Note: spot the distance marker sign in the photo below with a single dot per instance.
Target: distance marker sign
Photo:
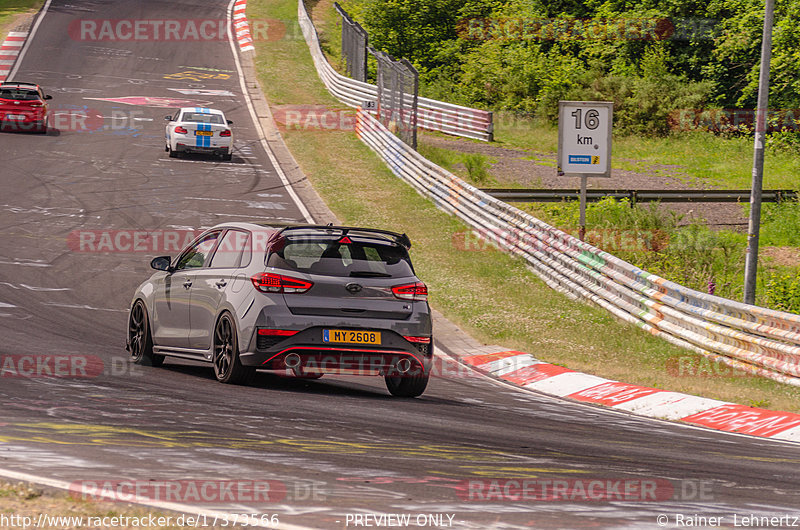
(584, 138)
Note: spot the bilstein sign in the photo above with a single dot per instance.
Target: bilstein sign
(584, 138)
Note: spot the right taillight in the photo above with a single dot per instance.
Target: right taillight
(416, 291)
(277, 283)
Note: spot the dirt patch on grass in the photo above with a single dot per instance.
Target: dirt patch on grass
(781, 256)
(533, 169)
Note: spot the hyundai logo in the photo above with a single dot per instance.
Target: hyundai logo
(353, 288)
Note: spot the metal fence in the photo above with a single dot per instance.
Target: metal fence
(354, 46)
(753, 339)
(398, 84)
(634, 196)
(435, 115)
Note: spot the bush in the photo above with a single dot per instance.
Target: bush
(783, 292)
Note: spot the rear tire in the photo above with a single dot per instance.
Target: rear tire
(406, 386)
(173, 154)
(228, 367)
(139, 339)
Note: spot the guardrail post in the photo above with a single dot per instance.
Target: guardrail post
(490, 129)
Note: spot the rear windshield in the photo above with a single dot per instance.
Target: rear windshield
(359, 259)
(19, 94)
(199, 117)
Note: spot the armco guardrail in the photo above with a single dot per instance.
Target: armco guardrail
(634, 196)
(754, 339)
(434, 115)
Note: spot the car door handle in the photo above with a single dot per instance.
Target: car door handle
(187, 284)
(222, 283)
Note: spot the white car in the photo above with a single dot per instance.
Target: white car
(199, 130)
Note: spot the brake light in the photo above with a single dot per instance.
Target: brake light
(226, 133)
(181, 130)
(277, 332)
(277, 283)
(418, 340)
(417, 291)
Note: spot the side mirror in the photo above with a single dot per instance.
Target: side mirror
(48, 97)
(168, 118)
(230, 122)
(161, 263)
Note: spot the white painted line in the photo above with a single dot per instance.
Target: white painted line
(8, 52)
(18, 34)
(31, 34)
(567, 383)
(13, 43)
(257, 123)
(669, 405)
(792, 435)
(162, 505)
(6, 63)
(508, 364)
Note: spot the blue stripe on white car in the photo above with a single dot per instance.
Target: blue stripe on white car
(202, 140)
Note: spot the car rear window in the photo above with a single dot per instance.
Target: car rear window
(199, 117)
(363, 259)
(19, 94)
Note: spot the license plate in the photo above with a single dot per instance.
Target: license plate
(351, 337)
(15, 116)
(204, 133)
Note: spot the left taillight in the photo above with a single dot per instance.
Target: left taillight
(277, 283)
(226, 133)
(416, 291)
(181, 130)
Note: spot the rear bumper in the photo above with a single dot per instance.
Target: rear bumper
(307, 352)
(29, 122)
(219, 150)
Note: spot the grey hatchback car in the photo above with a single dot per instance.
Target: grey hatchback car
(305, 300)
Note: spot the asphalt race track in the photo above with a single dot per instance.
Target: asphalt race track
(328, 449)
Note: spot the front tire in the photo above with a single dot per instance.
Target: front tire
(407, 386)
(140, 341)
(228, 367)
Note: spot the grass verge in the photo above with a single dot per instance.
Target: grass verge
(697, 157)
(491, 295)
(13, 11)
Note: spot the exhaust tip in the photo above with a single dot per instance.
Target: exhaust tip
(403, 366)
(292, 360)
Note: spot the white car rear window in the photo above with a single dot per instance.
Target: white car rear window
(199, 117)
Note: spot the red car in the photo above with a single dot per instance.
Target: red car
(23, 107)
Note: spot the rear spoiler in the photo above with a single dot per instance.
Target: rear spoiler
(400, 239)
(15, 83)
